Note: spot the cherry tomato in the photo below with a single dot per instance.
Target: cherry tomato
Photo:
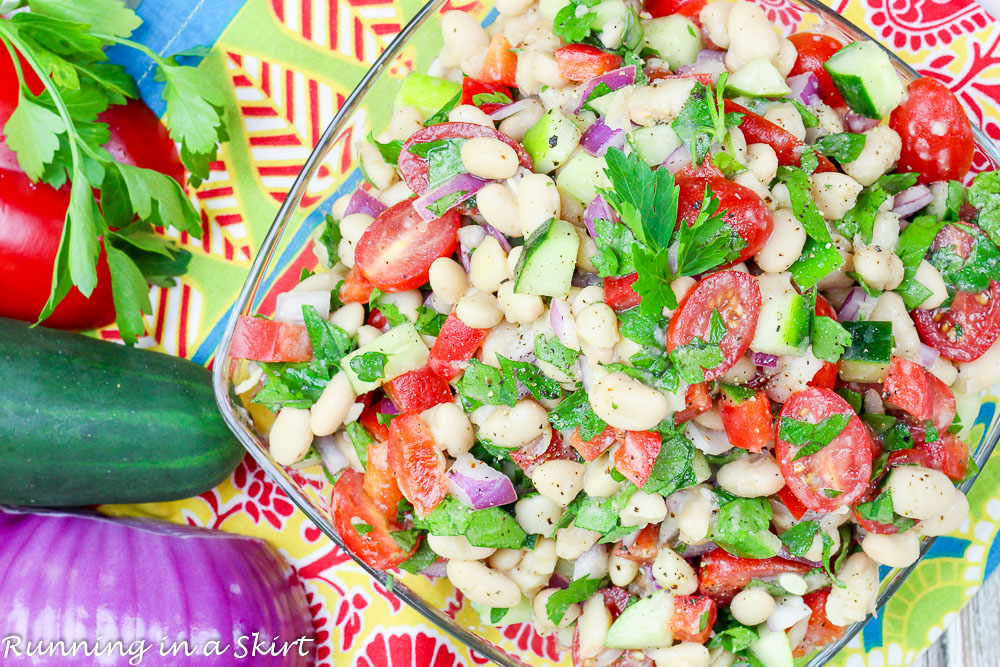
(414, 168)
(418, 390)
(380, 482)
(579, 62)
(645, 546)
(591, 449)
(745, 211)
(948, 454)
(655, 73)
(789, 500)
(936, 133)
(759, 130)
(378, 320)
(455, 345)
(688, 8)
(472, 87)
(747, 424)
(351, 506)
(417, 463)
(618, 292)
(911, 388)
(530, 456)
(841, 468)
(500, 63)
(396, 252)
(693, 618)
(267, 340)
(356, 288)
(813, 50)
(736, 296)
(826, 376)
(637, 454)
(964, 330)
(696, 402)
(369, 419)
(820, 631)
(616, 599)
(722, 575)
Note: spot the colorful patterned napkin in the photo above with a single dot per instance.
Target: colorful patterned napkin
(286, 65)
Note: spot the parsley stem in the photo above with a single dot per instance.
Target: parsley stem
(160, 60)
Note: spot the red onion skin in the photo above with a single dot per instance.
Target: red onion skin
(467, 182)
(911, 200)
(856, 123)
(614, 79)
(598, 138)
(495, 233)
(175, 582)
(805, 88)
(362, 202)
(598, 208)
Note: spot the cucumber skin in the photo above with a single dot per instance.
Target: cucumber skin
(85, 422)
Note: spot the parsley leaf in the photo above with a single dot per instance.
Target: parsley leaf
(843, 147)
(812, 437)
(490, 98)
(362, 528)
(975, 272)
(984, 194)
(429, 321)
(799, 538)
(575, 411)
(742, 528)
(698, 355)
(388, 150)
(444, 159)
(330, 343)
(614, 248)
(638, 192)
(296, 385)
(829, 338)
(33, 133)
(803, 206)
(914, 242)
(441, 115)
(531, 376)
(361, 440)
(703, 119)
(369, 366)
(573, 21)
(881, 510)
(550, 350)
(577, 591)
(672, 469)
(491, 527)
(421, 559)
(482, 384)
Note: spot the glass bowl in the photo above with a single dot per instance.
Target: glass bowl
(287, 249)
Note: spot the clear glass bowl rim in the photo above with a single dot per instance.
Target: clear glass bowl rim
(242, 305)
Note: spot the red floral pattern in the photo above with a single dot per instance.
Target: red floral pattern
(407, 649)
(924, 25)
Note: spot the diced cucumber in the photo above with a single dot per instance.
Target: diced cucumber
(758, 78)
(547, 262)
(617, 24)
(551, 141)
(581, 176)
(645, 624)
(549, 8)
(426, 93)
(871, 342)
(520, 613)
(866, 79)
(772, 648)
(655, 143)
(862, 371)
(675, 38)
(783, 326)
(404, 349)
(700, 466)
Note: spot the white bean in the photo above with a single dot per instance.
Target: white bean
(695, 516)
(751, 35)
(752, 606)
(479, 310)
(349, 317)
(378, 171)
(856, 599)
(498, 206)
(661, 101)
(787, 117)
(918, 492)
(547, 71)
(517, 125)
(981, 373)
(457, 548)
(559, 480)
(290, 436)
(542, 622)
(593, 627)
(643, 508)
(622, 570)
(488, 266)
(597, 325)
(519, 308)
(537, 201)
(947, 520)
(597, 480)
(626, 403)
(751, 476)
(834, 193)
(741, 372)
(715, 22)
(786, 57)
(784, 245)
(684, 654)
(890, 308)
(897, 550)
(405, 121)
(448, 280)
(573, 541)
(537, 514)
(467, 113)
(710, 419)
(881, 151)
(339, 208)
(451, 428)
(930, 277)
(395, 193)
(489, 158)
(483, 585)
(406, 302)
(505, 560)
(330, 410)
(674, 573)
(587, 296)
(516, 426)
(352, 228)
(511, 8)
(885, 230)
(762, 161)
(462, 35)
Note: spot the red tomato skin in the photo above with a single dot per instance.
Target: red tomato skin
(948, 454)
(416, 462)
(748, 424)
(722, 575)
(414, 168)
(472, 87)
(618, 292)
(656, 73)
(820, 631)
(500, 63)
(455, 345)
(267, 340)
(696, 402)
(530, 456)
(920, 393)
(380, 482)
(356, 288)
(936, 133)
(396, 252)
(793, 504)
(979, 322)
(813, 50)
(637, 454)
(369, 420)
(788, 148)
(688, 8)
(852, 448)
(745, 211)
(736, 296)
(616, 599)
(418, 390)
(591, 449)
(644, 548)
(376, 547)
(579, 62)
(686, 622)
(140, 139)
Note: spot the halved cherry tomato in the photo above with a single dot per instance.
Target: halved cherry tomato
(964, 330)
(418, 465)
(759, 130)
(841, 469)
(948, 453)
(380, 482)
(418, 390)
(267, 340)
(748, 425)
(826, 376)
(813, 50)
(820, 631)
(472, 87)
(920, 393)
(535, 453)
(693, 618)
(455, 345)
(396, 252)
(616, 599)
(746, 212)
(356, 288)
(655, 73)
(591, 449)
(736, 296)
(688, 8)
(645, 546)
(378, 320)
(369, 419)
(500, 63)
(350, 505)
(722, 575)
(579, 62)
(789, 500)
(696, 402)
(936, 133)
(618, 292)
(414, 168)
(635, 457)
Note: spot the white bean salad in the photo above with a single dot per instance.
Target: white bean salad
(649, 325)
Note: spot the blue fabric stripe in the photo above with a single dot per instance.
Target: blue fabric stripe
(169, 27)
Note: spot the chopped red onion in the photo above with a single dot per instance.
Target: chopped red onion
(790, 611)
(463, 182)
(508, 110)
(592, 563)
(557, 581)
(698, 550)
(362, 202)
(469, 237)
(598, 138)
(585, 279)
(708, 61)
(764, 360)
(479, 486)
(563, 324)
(598, 208)
(856, 123)
(333, 459)
(805, 88)
(498, 235)
(911, 200)
(387, 407)
(710, 441)
(680, 158)
(436, 570)
(787, 555)
(630, 539)
(614, 80)
(288, 305)
(856, 299)
(928, 355)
